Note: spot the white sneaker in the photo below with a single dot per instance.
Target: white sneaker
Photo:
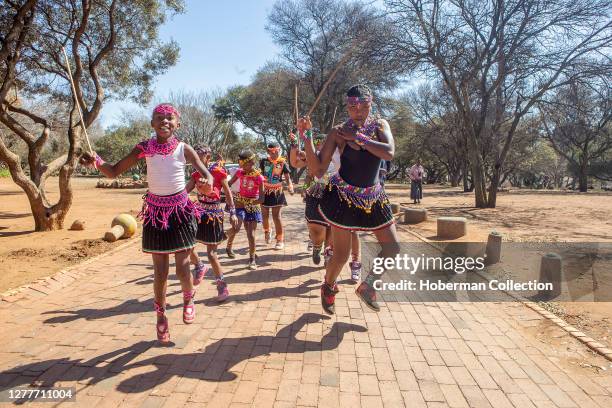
(279, 245)
(252, 264)
(327, 254)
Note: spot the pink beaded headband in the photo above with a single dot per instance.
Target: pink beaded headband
(167, 109)
(354, 100)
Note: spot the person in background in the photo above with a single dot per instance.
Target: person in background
(416, 173)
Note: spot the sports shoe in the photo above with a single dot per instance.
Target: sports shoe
(200, 272)
(230, 253)
(316, 255)
(327, 254)
(367, 294)
(222, 292)
(355, 270)
(268, 236)
(188, 307)
(252, 263)
(279, 245)
(328, 297)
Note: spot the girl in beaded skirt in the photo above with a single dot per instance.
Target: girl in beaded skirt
(169, 216)
(354, 199)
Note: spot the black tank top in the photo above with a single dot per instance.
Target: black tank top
(359, 167)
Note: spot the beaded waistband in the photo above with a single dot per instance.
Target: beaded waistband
(273, 187)
(156, 210)
(361, 197)
(249, 204)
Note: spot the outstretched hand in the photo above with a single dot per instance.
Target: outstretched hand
(88, 159)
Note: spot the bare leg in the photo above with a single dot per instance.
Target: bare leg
(342, 247)
(182, 270)
(355, 246)
(213, 259)
(193, 257)
(317, 236)
(387, 238)
(231, 234)
(161, 265)
(250, 227)
(278, 224)
(184, 275)
(265, 212)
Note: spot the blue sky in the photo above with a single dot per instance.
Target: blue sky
(223, 43)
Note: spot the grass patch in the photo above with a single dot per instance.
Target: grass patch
(5, 173)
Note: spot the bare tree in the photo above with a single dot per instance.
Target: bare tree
(316, 35)
(200, 124)
(498, 58)
(115, 53)
(577, 121)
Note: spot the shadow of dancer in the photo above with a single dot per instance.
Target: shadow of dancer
(213, 364)
(216, 361)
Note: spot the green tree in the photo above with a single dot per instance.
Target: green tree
(115, 52)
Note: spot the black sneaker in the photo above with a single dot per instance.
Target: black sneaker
(316, 255)
(230, 253)
(328, 297)
(367, 294)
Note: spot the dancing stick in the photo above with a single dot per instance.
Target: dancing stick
(334, 116)
(295, 104)
(332, 75)
(76, 100)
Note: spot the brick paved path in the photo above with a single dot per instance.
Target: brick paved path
(271, 345)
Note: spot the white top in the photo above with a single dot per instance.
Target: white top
(334, 166)
(335, 160)
(166, 174)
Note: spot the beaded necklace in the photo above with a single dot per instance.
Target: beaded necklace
(151, 147)
(368, 128)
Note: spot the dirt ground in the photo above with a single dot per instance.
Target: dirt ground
(528, 216)
(26, 256)
(523, 216)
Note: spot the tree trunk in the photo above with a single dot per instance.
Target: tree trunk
(583, 182)
(455, 178)
(492, 199)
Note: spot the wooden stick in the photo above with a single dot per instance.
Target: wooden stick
(76, 100)
(332, 75)
(334, 116)
(295, 104)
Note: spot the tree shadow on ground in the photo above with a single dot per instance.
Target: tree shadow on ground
(214, 363)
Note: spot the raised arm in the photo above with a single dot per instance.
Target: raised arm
(317, 163)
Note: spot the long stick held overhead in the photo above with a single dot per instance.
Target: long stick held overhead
(76, 100)
(345, 58)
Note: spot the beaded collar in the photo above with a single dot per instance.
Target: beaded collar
(151, 147)
(368, 129)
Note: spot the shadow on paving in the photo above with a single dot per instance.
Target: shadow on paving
(214, 363)
(140, 306)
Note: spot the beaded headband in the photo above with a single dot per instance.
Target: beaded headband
(354, 100)
(203, 150)
(248, 159)
(167, 109)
